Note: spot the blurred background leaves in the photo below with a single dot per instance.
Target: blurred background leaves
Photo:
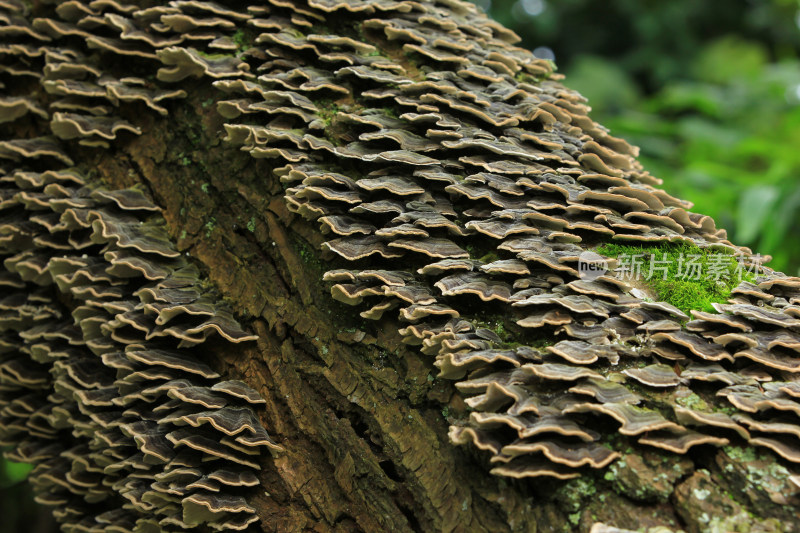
(709, 90)
(18, 512)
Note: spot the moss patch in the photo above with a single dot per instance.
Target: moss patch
(684, 275)
(327, 110)
(692, 401)
(241, 39)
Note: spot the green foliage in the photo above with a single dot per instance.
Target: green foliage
(17, 508)
(673, 280)
(710, 94)
(240, 38)
(651, 41)
(12, 473)
(727, 141)
(210, 225)
(327, 110)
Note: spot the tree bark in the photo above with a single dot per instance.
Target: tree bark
(359, 413)
(361, 416)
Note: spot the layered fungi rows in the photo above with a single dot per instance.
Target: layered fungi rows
(458, 183)
(104, 385)
(455, 175)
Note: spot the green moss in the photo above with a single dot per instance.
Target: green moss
(613, 471)
(210, 225)
(306, 254)
(725, 409)
(309, 256)
(575, 492)
(482, 251)
(240, 38)
(489, 257)
(204, 187)
(193, 135)
(778, 472)
(251, 225)
(357, 29)
(682, 274)
(693, 401)
(760, 470)
(744, 455)
(206, 55)
(327, 110)
(414, 58)
(496, 324)
(541, 344)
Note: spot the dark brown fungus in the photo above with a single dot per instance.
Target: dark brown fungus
(634, 420)
(788, 449)
(657, 375)
(470, 172)
(107, 394)
(572, 455)
(700, 418)
(680, 442)
(526, 468)
(606, 391)
(182, 62)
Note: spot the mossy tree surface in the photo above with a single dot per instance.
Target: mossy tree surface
(361, 416)
(683, 275)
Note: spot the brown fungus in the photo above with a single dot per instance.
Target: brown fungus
(94, 376)
(467, 169)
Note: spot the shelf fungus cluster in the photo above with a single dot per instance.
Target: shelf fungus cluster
(104, 325)
(456, 179)
(457, 182)
(102, 381)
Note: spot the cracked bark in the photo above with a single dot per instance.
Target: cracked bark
(361, 416)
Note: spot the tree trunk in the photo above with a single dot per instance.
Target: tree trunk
(360, 414)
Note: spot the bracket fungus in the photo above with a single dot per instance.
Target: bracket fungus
(104, 387)
(453, 177)
(107, 380)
